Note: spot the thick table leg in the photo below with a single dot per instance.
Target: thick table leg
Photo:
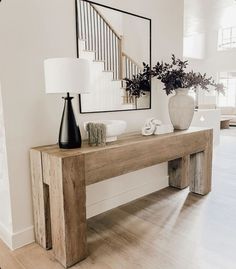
(179, 172)
(200, 173)
(201, 168)
(40, 191)
(68, 211)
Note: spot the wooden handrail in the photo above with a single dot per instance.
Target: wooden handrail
(105, 41)
(132, 60)
(132, 68)
(105, 20)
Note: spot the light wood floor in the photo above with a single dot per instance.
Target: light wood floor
(169, 229)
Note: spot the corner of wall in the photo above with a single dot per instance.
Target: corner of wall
(18, 239)
(5, 235)
(22, 238)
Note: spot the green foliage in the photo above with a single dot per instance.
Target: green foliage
(140, 83)
(173, 76)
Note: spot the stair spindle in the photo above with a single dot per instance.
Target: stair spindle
(104, 48)
(98, 41)
(86, 24)
(100, 37)
(126, 68)
(110, 47)
(93, 31)
(115, 57)
(90, 29)
(78, 5)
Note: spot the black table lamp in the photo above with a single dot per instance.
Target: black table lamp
(65, 75)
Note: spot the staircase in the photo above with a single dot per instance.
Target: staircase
(107, 92)
(99, 43)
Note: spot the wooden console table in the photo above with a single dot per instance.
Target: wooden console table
(59, 178)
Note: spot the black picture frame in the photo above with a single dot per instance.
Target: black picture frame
(150, 52)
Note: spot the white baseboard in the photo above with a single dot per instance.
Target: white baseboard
(6, 235)
(23, 237)
(102, 197)
(18, 239)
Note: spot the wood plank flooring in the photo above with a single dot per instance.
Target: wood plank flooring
(169, 229)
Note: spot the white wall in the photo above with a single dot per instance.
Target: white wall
(136, 43)
(194, 46)
(218, 61)
(209, 118)
(32, 30)
(213, 62)
(113, 17)
(5, 205)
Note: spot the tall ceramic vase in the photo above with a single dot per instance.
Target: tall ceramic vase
(181, 109)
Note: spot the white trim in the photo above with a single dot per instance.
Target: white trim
(23, 237)
(26, 236)
(18, 239)
(5, 235)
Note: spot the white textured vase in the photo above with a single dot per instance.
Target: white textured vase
(181, 109)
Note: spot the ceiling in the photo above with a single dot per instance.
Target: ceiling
(202, 15)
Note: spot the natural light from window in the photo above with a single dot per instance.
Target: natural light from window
(229, 81)
(227, 38)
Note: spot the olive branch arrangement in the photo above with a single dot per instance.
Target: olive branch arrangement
(173, 75)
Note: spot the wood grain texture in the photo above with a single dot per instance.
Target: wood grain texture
(225, 123)
(7, 260)
(40, 194)
(129, 139)
(131, 156)
(168, 229)
(201, 169)
(67, 172)
(179, 172)
(68, 213)
(133, 152)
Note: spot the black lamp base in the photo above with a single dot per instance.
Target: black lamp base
(69, 135)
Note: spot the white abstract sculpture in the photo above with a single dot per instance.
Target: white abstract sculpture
(150, 126)
(155, 126)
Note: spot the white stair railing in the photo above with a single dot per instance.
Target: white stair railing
(101, 38)
(131, 68)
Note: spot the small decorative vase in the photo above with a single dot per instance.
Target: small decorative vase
(181, 109)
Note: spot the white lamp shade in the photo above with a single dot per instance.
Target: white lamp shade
(67, 75)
